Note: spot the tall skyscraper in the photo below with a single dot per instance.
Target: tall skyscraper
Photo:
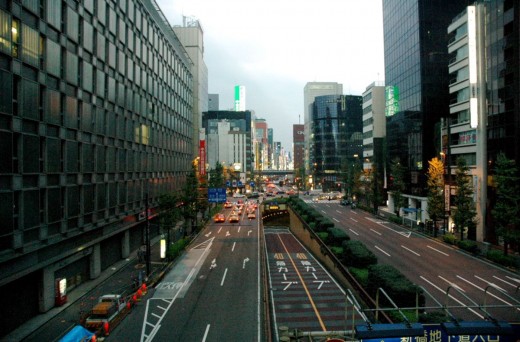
(94, 123)
(338, 139)
(213, 102)
(240, 98)
(191, 36)
(416, 66)
(298, 146)
(310, 91)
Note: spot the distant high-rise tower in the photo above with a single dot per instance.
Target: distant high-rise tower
(240, 98)
(213, 102)
(311, 90)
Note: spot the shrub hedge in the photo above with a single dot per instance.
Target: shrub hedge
(336, 237)
(401, 290)
(356, 254)
(499, 257)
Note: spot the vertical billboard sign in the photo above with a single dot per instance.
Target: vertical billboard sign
(202, 157)
(391, 100)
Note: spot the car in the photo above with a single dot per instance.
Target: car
(238, 195)
(228, 205)
(344, 202)
(219, 218)
(233, 217)
(251, 215)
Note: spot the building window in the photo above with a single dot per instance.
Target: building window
(31, 45)
(5, 32)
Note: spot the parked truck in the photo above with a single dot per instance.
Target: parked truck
(106, 310)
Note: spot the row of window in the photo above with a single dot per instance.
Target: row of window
(37, 208)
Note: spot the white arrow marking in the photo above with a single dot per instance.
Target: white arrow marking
(227, 233)
(244, 263)
(249, 232)
(207, 235)
(213, 264)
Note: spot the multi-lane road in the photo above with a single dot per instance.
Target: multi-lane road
(473, 288)
(217, 290)
(211, 294)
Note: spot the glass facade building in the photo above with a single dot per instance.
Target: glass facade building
(337, 137)
(95, 113)
(416, 65)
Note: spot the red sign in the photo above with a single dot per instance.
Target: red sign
(202, 157)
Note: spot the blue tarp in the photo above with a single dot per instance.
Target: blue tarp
(77, 334)
(410, 210)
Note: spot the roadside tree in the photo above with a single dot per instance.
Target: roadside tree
(398, 186)
(465, 213)
(506, 211)
(435, 184)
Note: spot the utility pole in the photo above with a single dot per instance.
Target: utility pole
(148, 254)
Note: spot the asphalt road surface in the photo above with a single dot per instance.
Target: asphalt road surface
(472, 288)
(211, 294)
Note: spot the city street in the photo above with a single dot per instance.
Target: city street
(476, 287)
(211, 294)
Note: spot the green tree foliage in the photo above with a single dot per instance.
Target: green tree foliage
(216, 176)
(170, 212)
(398, 186)
(465, 213)
(190, 195)
(506, 211)
(435, 184)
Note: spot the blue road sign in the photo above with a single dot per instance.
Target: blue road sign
(252, 184)
(216, 195)
(228, 183)
(239, 183)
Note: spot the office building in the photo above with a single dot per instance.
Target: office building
(416, 69)
(240, 125)
(240, 98)
(310, 91)
(338, 139)
(298, 146)
(95, 117)
(191, 36)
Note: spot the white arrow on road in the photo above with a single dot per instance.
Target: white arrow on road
(213, 264)
(244, 263)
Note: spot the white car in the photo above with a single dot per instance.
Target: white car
(238, 195)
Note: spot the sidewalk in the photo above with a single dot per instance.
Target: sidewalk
(119, 278)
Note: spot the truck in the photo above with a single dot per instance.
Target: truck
(107, 309)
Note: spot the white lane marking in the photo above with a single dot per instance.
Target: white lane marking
(438, 251)
(218, 232)
(506, 282)
(405, 234)
(353, 231)
(452, 284)
(335, 219)
(353, 219)
(339, 212)
(223, 278)
(352, 211)
(206, 333)
(382, 251)
(513, 279)
(233, 248)
(323, 211)
(481, 289)
(375, 231)
(490, 283)
(455, 299)
(409, 250)
(239, 228)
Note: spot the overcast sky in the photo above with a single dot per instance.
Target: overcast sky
(274, 47)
